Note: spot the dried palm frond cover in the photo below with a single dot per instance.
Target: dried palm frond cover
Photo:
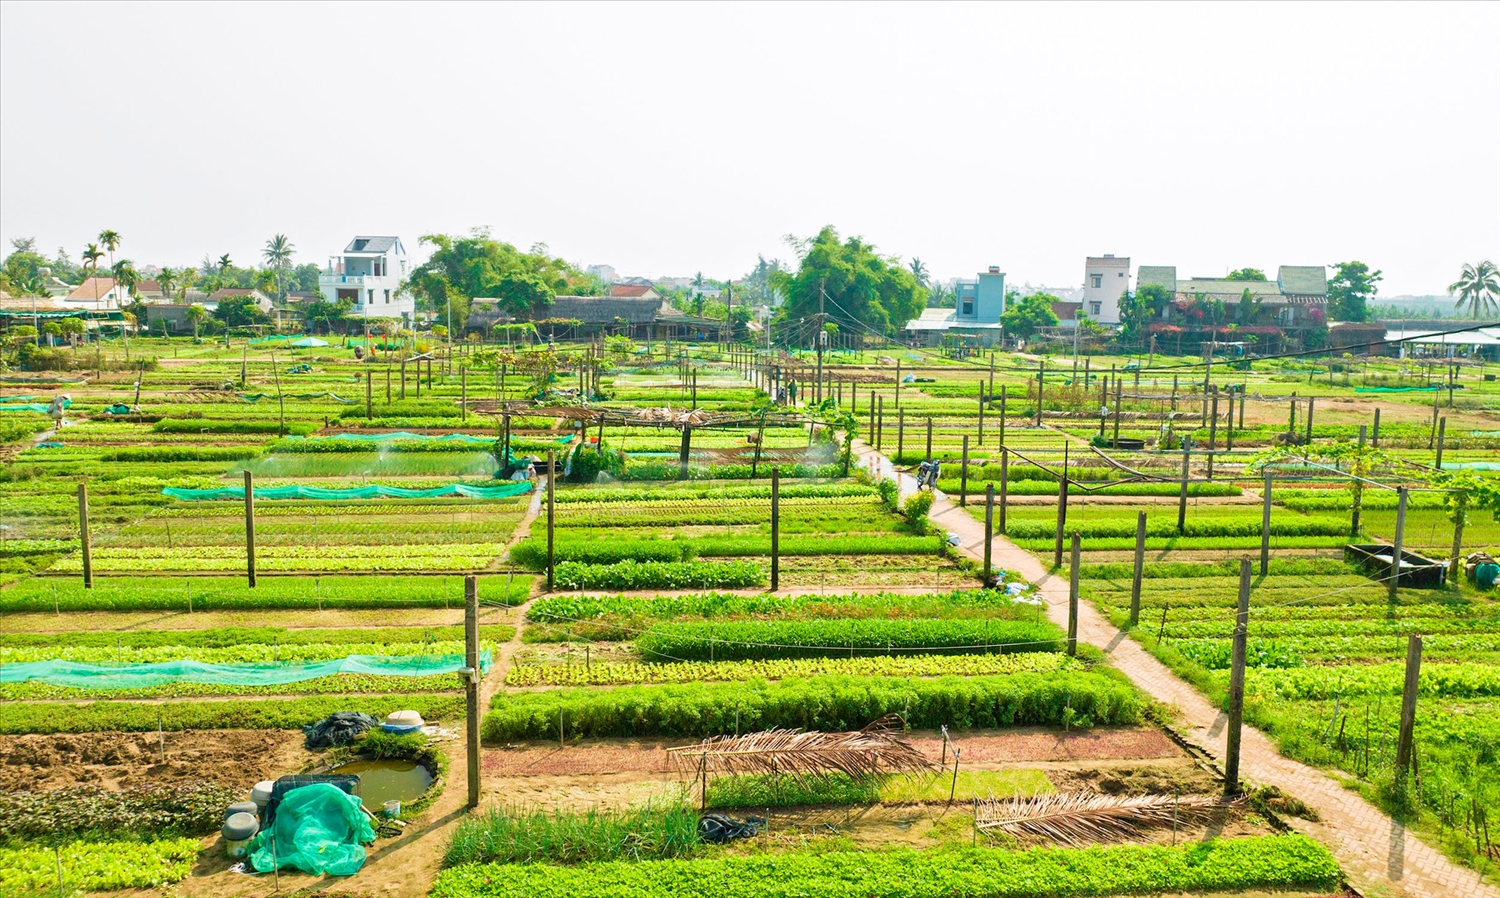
(1085, 817)
(876, 750)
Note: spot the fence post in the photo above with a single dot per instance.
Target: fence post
(83, 536)
(880, 423)
(684, 450)
(1237, 686)
(1140, 563)
(1004, 484)
(1408, 706)
(463, 392)
(1213, 421)
(1396, 549)
(1041, 381)
(1182, 494)
(551, 510)
(1358, 488)
(1062, 519)
(775, 529)
(981, 412)
(1441, 435)
(1375, 432)
(900, 433)
(250, 527)
(1309, 420)
(1229, 423)
(1265, 524)
(1002, 419)
(1073, 599)
(403, 378)
(898, 383)
(929, 438)
(963, 476)
(471, 684)
(989, 529)
(1118, 397)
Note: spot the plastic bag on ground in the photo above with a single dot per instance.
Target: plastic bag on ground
(338, 728)
(318, 829)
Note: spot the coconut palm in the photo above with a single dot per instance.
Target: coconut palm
(168, 282)
(1478, 287)
(278, 254)
(91, 256)
(125, 276)
(225, 263)
(919, 271)
(196, 314)
(110, 240)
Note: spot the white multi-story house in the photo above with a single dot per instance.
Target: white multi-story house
(1105, 278)
(369, 272)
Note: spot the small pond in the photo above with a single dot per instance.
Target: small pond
(382, 781)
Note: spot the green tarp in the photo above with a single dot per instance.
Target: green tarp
(319, 829)
(81, 675)
(17, 398)
(28, 407)
(504, 491)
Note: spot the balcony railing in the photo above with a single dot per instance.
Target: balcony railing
(351, 279)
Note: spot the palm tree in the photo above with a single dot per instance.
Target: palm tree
(225, 263)
(110, 241)
(278, 254)
(91, 256)
(168, 282)
(1479, 288)
(196, 314)
(125, 276)
(919, 271)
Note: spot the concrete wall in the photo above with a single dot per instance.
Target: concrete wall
(1102, 302)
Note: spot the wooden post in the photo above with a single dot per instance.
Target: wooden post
(83, 536)
(1140, 564)
(1229, 424)
(1002, 419)
(1441, 435)
(1118, 397)
(1358, 488)
(880, 424)
(250, 527)
(1073, 599)
(981, 413)
(1265, 524)
(963, 475)
(900, 433)
(1309, 419)
(369, 389)
(1396, 549)
(1004, 484)
(463, 393)
(1213, 422)
(1041, 381)
(1182, 494)
(551, 513)
(403, 378)
(898, 383)
(989, 529)
(387, 383)
(775, 529)
(471, 683)
(929, 438)
(1062, 519)
(1408, 706)
(1375, 432)
(1237, 686)
(683, 451)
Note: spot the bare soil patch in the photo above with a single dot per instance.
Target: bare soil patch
(126, 760)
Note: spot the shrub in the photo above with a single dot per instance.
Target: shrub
(916, 508)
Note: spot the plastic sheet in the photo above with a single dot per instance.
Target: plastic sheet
(318, 829)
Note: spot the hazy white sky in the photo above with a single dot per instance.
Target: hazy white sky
(667, 139)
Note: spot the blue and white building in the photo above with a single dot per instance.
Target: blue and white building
(369, 273)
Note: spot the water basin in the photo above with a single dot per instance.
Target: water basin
(382, 781)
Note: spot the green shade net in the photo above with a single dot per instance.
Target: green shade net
(319, 829)
(83, 675)
(16, 398)
(404, 437)
(503, 491)
(256, 397)
(1396, 389)
(28, 407)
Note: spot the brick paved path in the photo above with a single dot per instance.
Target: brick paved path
(1380, 858)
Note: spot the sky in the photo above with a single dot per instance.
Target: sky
(675, 138)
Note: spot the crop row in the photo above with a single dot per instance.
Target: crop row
(409, 557)
(1228, 865)
(1195, 526)
(633, 575)
(247, 653)
(338, 684)
(1082, 698)
(96, 866)
(960, 603)
(227, 593)
(532, 553)
(762, 640)
(630, 674)
(710, 495)
(278, 714)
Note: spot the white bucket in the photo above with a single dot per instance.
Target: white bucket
(393, 808)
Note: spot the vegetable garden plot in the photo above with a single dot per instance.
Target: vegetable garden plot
(635, 673)
(220, 593)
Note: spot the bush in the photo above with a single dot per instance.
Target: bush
(1229, 865)
(758, 640)
(631, 575)
(589, 462)
(916, 508)
(817, 703)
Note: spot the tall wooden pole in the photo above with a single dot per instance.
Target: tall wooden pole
(250, 527)
(1062, 519)
(1375, 431)
(1237, 685)
(551, 512)
(1182, 494)
(1073, 598)
(775, 529)
(1358, 488)
(1396, 549)
(989, 530)
(1140, 564)
(1265, 524)
(1002, 419)
(929, 439)
(1004, 484)
(1118, 397)
(83, 536)
(963, 476)
(1441, 436)
(471, 683)
(1408, 706)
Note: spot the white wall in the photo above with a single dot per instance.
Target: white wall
(1114, 278)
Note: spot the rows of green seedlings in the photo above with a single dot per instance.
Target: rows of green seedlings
(1271, 862)
(188, 594)
(1325, 679)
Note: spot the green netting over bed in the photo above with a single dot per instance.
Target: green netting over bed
(81, 675)
(503, 491)
(405, 436)
(256, 397)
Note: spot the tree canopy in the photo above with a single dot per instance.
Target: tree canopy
(1246, 274)
(462, 268)
(1478, 287)
(1350, 288)
(1139, 309)
(863, 291)
(1028, 314)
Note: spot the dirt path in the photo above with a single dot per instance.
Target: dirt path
(1378, 855)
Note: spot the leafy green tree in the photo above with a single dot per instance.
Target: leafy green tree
(1029, 314)
(1139, 309)
(196, 313)
(1478, 287)
(1246, 274)
(865, 290)
(22, 266)
(239, 311)
(278, 254)
(73, 328)
(1350, 289)
(462, 268)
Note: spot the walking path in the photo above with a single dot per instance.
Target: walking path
(1381, 859)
